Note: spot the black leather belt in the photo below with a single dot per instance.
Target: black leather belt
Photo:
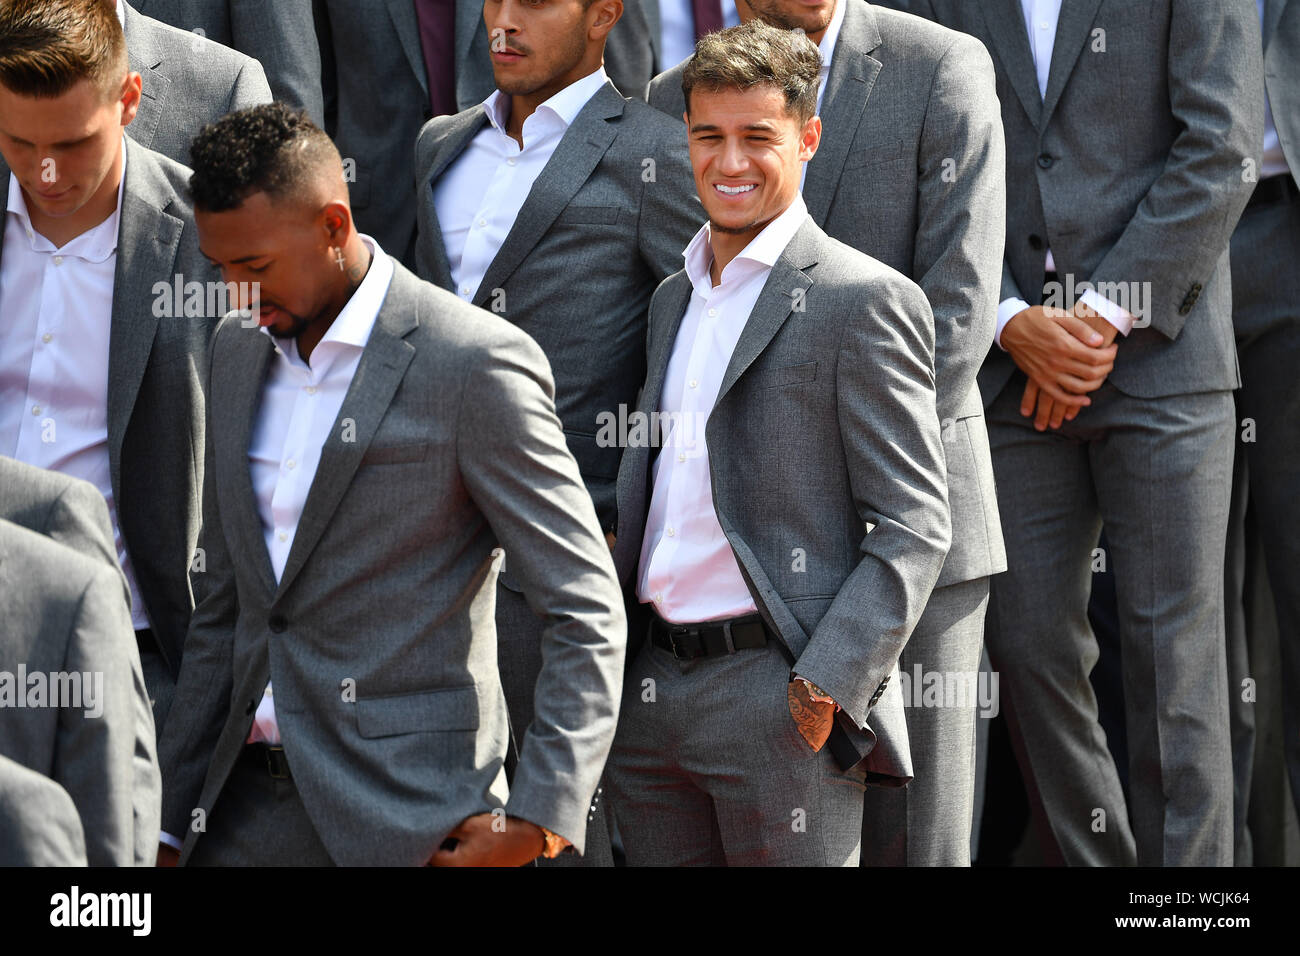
(268, 757)
(1275, 189)
(708, 639)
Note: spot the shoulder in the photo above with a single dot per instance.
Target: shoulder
(159, 179)
(857, 276)
(180, 51)
(34, 563)
(919, 41)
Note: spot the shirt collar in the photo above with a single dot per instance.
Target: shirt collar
(121, 14)
(356, 320)
(827, 47)
(565, 104)
(94, 245)
(762, 252)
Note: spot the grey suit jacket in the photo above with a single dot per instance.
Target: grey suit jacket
(39, 825)
(279, 34)
(156, 362)
(188, 82)
(838, 397)
(910, 170)
(69, 510)
(61, 613)
(589, 214)
(380, 636)
(1131, 169)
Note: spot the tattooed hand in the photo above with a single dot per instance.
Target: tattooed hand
(813, 718)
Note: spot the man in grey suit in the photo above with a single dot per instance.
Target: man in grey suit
(559, 205)
(371, 449)
(279, 34)
(1266, 316)
(186, 83)
(102, 364)
(910, 170)
(39, 825)
(782, 544)
(68, 651)
(1129, 129)
(391, 65)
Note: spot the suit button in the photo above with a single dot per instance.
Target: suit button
(1045, 160)
(1184, 309)
(1035, 242)
(277, 624)
(252, 706)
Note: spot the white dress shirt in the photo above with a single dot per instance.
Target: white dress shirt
(688, 570)
(1041, 17)
(57, 308)
(677, 29)
(481, 193)
(299, 405)
(1273, 162)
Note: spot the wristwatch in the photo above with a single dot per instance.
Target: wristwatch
(555, 844)
(815, 693)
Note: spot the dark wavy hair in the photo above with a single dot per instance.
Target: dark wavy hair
(757, 54)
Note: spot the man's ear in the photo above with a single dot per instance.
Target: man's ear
(607, 13)
(336, 219)
(130, 97)
(810, 138)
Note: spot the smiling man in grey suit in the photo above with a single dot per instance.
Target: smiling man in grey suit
(781, 546)
(279, 34)
(100, 373)
(65, 633)
(911, 170)
(371, 449)
(186, 83)
(559, 205)
(1130, 128)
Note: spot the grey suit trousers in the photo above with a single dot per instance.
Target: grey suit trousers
(1266, 315)
(709, 769)
(928, 822)
(519, 657)
(258, 821)
(1158, 473)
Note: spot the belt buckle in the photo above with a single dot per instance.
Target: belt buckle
(272, 764)
(726, 636)
(675, 631)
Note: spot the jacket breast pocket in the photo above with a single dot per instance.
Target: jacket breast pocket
(593, 215)
(448, 708)
(396, 454)
(786, 375)
(886, 154)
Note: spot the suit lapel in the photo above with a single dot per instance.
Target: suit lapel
(1071, 35)
(244, 378)
(461, 129)
(383, 363)
(573, 161)
(144, 59)
(469, 18)
(148, 239)
(407, 23)
(650, 11)
(774, 305)
(1006, 25)
(848, 85)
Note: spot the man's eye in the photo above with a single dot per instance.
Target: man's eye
(259, 268)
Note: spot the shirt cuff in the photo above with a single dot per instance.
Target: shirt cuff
(1006, 309)
(1116, 315)
(170, 840)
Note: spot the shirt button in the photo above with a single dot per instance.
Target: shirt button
(311, 389)
(681, 456)
(672, 533)
(46, 337)
(58, 260)
(482, 223)
(1042, 25)
(511, 162)
(282, 535)
(659, 598)
(464, 290)
(36, 409)
(290, 464)
(695, 383)
(713, 312)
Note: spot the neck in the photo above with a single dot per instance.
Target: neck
(523, 105)
(358, 259)
(61, 230)
(727, 245)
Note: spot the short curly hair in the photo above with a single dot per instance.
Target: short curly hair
(270, 148)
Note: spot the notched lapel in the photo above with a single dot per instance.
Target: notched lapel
(462, 128)
(1072, 31)
(383, 363)
(407, 25)
(1006, 25)
(848, 87)
(572, 163)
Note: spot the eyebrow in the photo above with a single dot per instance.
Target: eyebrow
(235, 262)
(758, 127)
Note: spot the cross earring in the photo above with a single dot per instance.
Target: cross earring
(339, 258)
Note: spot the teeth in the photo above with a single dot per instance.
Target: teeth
(733, 190)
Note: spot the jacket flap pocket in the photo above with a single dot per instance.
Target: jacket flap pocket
(449, 708)
(378, 454)
(786, 375)
(596, 214)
